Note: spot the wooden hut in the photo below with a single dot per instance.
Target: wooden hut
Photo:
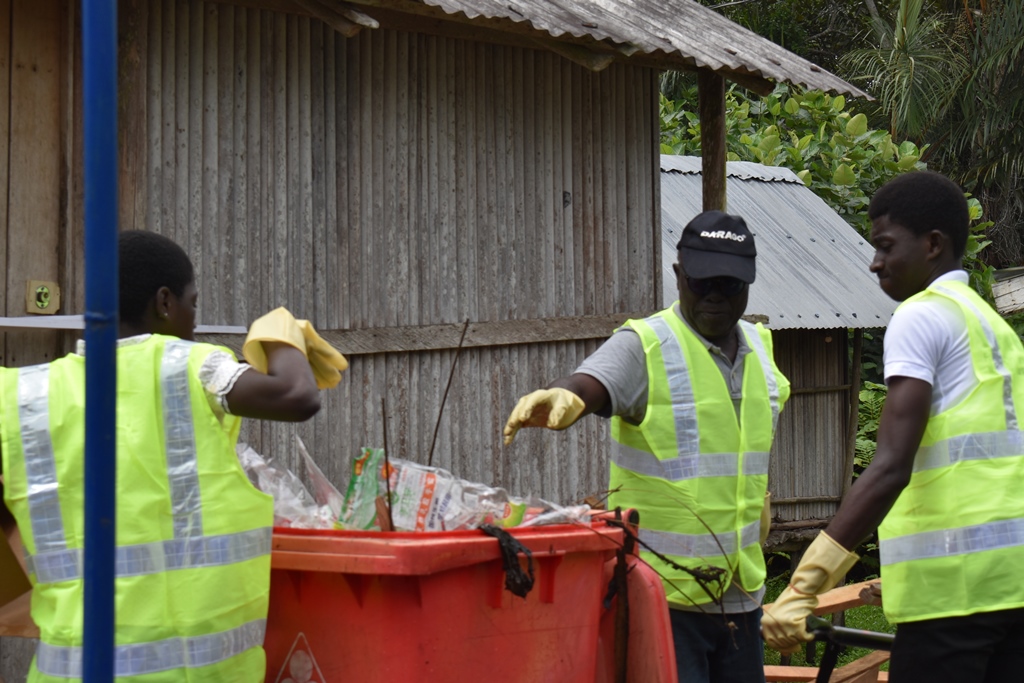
(813, 287)
(387, 169)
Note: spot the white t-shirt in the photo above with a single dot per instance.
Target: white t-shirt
(927, 340)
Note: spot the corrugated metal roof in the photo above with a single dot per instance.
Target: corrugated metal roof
(812, 266)
(681, 30)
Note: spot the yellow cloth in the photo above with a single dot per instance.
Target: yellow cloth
(552, 408)
(784, 623)
(280, 325)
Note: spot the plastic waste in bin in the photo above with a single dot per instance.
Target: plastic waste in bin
(403, 607)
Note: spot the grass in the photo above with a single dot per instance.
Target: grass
(866, 617)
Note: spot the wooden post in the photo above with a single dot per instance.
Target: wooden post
(711, 93)
(851, 443)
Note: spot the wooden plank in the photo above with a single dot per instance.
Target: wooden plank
(303, 287)
(72, 228)
(35, 177)
(1009, 295)
(133, 45)
(774, 673)
(5, 111)
(446, 336)
(651, 141)
(861, 670)
(230, 244)
(789, 674)
(839, 599)
(15, 619)
(214, 226)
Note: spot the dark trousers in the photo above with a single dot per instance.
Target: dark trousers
(710, 650)
(978, 648)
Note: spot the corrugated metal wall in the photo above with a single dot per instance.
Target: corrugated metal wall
(812, 438)
(398, 179)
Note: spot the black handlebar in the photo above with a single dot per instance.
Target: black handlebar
(823, 630)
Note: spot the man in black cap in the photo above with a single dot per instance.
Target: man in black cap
(694, 396)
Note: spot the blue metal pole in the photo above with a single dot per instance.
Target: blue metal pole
(99, 42)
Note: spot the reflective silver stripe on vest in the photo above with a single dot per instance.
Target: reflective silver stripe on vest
(757, 345)
(997, 356)
(1006, 533)
(186, 506)
(679, 385)
(755, 462)
(688, 466)
(153, 558)
(700, 545)
(40, 468)
(982, 446)
(139, 659)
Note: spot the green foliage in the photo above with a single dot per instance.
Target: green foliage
(830, 147)
(872, 399)
(915, 69)
(1016, 321)
(991, 127)
(870, 354)
(818, 30)
(982, 274)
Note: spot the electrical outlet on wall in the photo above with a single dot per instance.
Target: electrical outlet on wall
(42, 297)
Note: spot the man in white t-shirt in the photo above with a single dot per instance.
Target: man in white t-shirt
(943, 487)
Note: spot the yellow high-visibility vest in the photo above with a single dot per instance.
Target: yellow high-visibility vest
(193, 535)
(954, 541)
(695, 471)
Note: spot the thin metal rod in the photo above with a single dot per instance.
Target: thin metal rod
(99, 60)
(387, 464)
(451, 374)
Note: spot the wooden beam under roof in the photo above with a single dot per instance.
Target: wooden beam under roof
(413, 16)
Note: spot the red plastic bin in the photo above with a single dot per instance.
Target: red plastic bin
(404, 607)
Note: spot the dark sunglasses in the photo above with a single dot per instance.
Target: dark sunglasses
(726, 286)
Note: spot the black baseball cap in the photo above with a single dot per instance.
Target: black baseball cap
(715, 244)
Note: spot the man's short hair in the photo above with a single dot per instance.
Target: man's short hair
(149, 261)
(922, 201)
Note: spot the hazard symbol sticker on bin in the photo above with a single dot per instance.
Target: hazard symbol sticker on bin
(300, 666)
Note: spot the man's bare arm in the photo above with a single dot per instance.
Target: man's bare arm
(593, 393)
(900, 429)
(287, 392)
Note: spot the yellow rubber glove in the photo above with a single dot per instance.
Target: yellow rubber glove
(766, 516)
(326, 361)
(277, 326)
(783, 624)
(552, 408)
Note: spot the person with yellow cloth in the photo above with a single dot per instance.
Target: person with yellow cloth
(944, 485)
(193, 535)
(694, 396)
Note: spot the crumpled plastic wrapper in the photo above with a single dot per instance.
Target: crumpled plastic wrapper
(432, 499)
(294, 505)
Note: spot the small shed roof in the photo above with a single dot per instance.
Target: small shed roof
(682, 32)
(812, 266)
